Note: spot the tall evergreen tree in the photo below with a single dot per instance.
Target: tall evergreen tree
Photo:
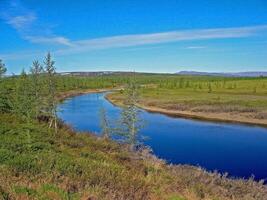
(2, 69)
(5, 105)
(37, 87)
(24, 99)
(51, 108)
(130, 121)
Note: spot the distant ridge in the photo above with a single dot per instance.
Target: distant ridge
(190, 73)
(101, 73)
(235, 74)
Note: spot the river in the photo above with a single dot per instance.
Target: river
(239, 150)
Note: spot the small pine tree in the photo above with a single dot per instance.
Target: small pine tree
(130, 122)
(24, 102)
(37, 87)
(210, 88)
(24, 99)
(2, 69)
(51, 106)
(5, 104)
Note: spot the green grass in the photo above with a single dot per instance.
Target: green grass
(245, 97)
(194, 98)
(236, 92)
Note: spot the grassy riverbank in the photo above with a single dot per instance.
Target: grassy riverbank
(38, 164)
(212, 98)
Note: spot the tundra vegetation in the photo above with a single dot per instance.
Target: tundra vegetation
(239, 99)
(42, 158)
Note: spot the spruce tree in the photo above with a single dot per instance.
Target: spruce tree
(51, 108)
(130, 121)
(2, 69)
(24, 99)
(37, 87)
(5, 105)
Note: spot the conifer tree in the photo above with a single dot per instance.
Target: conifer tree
(2, 69)
(37, 87)
(130, 121)
(4, 100)
(51, 108)
(24, 99)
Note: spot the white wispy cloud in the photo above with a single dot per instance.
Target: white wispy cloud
(27, 24)
(21, 22)
(49, 40)
(162, 37)
(139, 40)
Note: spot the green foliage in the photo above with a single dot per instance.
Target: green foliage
(175, 197)
(5, 104)
(130, 122)
(2, 69)
(23, 98)
(25, 190)
(5, 99)
(51, 106)
(37, 87)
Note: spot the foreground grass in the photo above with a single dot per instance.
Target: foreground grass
(36, 164)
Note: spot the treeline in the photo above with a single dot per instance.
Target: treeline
(31, 96)
(247, 85)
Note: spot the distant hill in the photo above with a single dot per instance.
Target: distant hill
(236, 74)
(101, 73)
(192, 73)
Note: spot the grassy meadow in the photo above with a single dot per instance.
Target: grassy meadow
(217, 98)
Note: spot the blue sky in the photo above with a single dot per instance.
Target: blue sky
(152, 36)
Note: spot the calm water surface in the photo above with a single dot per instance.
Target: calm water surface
(239, 150)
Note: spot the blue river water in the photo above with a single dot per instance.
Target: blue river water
(239, 150)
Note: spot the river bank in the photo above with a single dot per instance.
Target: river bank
(192, 182)
(229, 117)
(79, 166)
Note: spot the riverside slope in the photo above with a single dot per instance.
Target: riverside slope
(233, 117)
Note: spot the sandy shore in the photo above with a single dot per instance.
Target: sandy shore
(219, 117)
